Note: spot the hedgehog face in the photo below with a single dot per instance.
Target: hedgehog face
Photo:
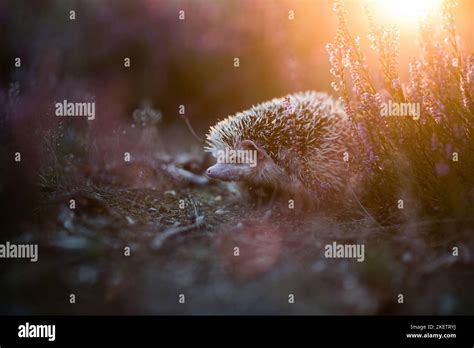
(246, 162)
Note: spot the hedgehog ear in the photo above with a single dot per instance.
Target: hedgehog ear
(250, 145)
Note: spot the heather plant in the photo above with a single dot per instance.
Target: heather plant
(414, 165)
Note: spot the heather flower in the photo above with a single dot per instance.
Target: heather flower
(365, 141)
(456, 131)
(325, 185)
(442, 169)
(449, 150)
(441, 81)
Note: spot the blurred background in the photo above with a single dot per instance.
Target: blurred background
(186, 61)
(179, 62)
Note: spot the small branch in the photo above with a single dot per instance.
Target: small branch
(191, 129)
(363, 208)
(183, 174)
(198, 223)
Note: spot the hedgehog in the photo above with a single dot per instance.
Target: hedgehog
(295, 145)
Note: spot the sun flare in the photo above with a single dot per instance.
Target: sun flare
(406, 11)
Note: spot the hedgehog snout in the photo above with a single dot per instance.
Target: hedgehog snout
(227, 172)
(219, 171)
(210, 173)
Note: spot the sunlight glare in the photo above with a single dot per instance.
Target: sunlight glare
(407, 11)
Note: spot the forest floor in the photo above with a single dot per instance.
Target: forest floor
(136, 248)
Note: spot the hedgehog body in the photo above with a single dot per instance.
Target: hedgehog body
(300, 142)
